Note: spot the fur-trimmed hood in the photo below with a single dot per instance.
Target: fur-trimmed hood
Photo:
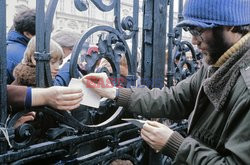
(25, 75)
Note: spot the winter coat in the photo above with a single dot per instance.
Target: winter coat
(16, 45)
(26, 75)
(217, 102)
(16, 95)
(63, 77)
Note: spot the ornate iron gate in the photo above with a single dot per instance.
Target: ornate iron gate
(104, 142)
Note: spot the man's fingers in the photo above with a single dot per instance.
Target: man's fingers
(70, 107)
(27, 118)
(153, 123)
(146, 134)
(147, 127)
(32, 113)
(147, 139)
(85, 81)
(97, 75)
(70, 90)
(71, 97)
(94, 77)
(23, 119)
(70, 102)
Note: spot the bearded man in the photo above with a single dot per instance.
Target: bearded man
(216, 99)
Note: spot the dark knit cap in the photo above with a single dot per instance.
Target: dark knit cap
(211, 13)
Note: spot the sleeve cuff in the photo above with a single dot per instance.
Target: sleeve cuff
(28, 99)
(172, 145)
(124, 96)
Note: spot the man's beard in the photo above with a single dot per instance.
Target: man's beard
(217, 46)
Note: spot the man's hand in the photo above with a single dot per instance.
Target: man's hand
(62, 98)
(25, 118)
(101, 84)
(155, 134)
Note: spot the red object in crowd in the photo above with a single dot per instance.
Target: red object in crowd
(92, 50)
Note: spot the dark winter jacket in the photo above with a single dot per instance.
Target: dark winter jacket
(217, 102)
(16, 95)
(63, 77)
(16, 45)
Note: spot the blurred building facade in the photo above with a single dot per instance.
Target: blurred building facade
(68, 17)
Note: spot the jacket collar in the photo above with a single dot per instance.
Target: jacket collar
(14, 36)
(218, 86)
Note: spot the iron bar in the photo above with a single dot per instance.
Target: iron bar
(171, 36)
(3, 77)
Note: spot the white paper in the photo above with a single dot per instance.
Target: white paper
(137, 122)
(90, 98)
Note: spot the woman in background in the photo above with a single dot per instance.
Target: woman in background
(25, 72)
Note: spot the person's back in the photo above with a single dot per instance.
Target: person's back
(17, 40)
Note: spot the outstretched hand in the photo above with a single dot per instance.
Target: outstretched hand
(62, 98)
(155, 134)
(100, 84)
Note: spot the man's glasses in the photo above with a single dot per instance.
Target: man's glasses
(195, 31)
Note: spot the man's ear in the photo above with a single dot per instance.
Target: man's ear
(27, 34)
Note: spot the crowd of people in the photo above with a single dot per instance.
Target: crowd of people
(21, 66)
(216, 99)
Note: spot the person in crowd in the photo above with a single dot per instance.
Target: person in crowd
(215, 98)
(63, 77)
(18, 38)
(62, 98)
(66, 39)
(25, 72)
(122, 81)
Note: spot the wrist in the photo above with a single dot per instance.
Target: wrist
(170, 133)
(38, 97)
(172, 145)
(115, 93)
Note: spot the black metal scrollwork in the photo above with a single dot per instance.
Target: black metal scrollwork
(81, 5)
(103, 7)
(88, 135)
(111, 45)
(184, 66)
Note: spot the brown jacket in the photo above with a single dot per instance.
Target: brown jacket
(16, 95)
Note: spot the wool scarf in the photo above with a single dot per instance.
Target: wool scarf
(227, 70)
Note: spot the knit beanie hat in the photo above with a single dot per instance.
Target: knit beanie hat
(211, 13)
